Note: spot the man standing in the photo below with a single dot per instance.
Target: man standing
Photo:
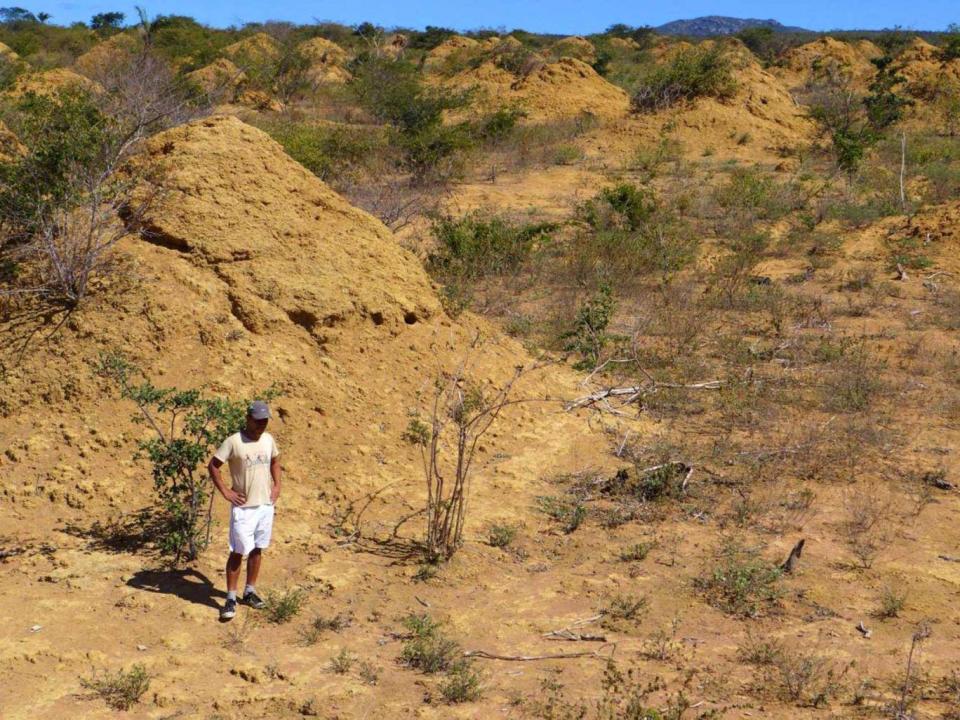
(254, 466)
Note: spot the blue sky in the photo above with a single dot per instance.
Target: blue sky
(559, 16)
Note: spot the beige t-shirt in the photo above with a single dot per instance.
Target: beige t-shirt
(250, 465)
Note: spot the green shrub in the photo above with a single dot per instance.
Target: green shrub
(120, 691)
(426, 648)
(342, 662)
(691, 74)
(567, 154)
(950, 49)
(65, 135)
(328, 151)
(393, 93)
(462, 683)
(476, 246)
(637, 551)
(501, 535)
(741, 582)
(631, 233)
(749, 191)
(283, 606)
(891, 602)
(588, 337)
(498, 125)
(321, 624)
(568, 512)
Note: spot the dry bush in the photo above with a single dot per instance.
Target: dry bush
(804, 678)
(868, 528)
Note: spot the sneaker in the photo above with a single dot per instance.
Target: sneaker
(254, 601)
(228, 610)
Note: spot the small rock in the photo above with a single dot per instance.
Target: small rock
(141, 648)
(36, 628)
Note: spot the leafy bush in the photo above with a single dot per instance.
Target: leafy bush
(475, 246)
(891, 602)
(741, 582)
(501, 535)
(426, 648)
(462, 683)
(393, 93)
(187, 427)
(342, 662)
(588, 337)
(499, 124)
(328, 151)
(568, 512)
(691, 74)
(632, 233)
(635, 552)
(120, 691)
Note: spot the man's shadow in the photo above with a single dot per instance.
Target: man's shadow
(187, 584)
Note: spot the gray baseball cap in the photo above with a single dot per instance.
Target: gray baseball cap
(258, 410)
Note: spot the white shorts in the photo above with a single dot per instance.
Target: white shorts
(250, 528)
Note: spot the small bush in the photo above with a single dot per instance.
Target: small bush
(694, 73)
(589, 336)
(369, 673)
(328, 151)
(476, 246)
(623, 611)
(320, 625)
(120, 691)
(342, 662)
(283, 606)
(567, 155)
(741, 582)
(570, 513)
(501, 535)
(890, 603)
(806, 679)
(759, 652)
(636, 552)
(462, 683)
(427, 649)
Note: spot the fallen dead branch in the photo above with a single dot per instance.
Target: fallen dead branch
(635, 391)
(598, 653)
(569, 633)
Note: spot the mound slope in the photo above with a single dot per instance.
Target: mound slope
(803, 63)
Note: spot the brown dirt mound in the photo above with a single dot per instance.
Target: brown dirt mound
(924, 71)
(219, 76)
(50, 81)
(305, 252)
(624, 43)
(500, 45)
(761, 123)
(258, 48)
(803, 63)
(565, 88)
(326, 60)
(102, 57)
(575, 47)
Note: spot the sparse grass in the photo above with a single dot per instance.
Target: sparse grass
(741, 582)
(284, 605)
(122, 690)
(426, 648)
(806, 679)
(501, 535)
(321, 624)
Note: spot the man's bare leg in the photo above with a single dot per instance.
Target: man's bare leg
(253, 567)
(234, 563)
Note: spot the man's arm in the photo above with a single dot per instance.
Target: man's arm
(275, 472)
(233, 497)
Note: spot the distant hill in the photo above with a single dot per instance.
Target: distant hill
(719, 25)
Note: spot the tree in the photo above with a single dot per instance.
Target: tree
(16, 15)
(43, 16)
(459, 412)
(107, 21)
